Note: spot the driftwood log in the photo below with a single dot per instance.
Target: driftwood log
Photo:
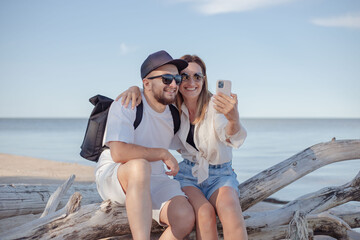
(271, 180)
(31, 199)
(106, 219)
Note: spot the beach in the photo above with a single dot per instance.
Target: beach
(21, 170)
(28, 170)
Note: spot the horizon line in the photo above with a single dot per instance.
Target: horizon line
(287, 118)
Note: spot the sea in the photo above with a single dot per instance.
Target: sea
(269, 142)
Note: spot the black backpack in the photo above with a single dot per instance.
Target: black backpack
(92, 146)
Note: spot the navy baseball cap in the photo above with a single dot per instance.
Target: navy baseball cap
(158, 59)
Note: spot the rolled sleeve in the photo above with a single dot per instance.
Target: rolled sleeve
(236, 140)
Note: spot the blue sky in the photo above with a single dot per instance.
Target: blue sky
(286, 58)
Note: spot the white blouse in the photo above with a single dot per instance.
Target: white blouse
(210, 139)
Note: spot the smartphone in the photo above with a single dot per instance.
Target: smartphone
(223, 86)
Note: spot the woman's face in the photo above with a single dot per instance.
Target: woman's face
(193, 81)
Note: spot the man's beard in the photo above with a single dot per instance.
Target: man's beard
(159, 96)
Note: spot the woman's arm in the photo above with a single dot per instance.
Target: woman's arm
(133, 94)
(228, 106)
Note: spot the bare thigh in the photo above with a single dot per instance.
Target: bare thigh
(196, 198)
(136, 169)
(226, 202)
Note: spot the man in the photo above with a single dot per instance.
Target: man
(132, 171)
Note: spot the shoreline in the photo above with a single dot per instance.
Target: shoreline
(17, 169)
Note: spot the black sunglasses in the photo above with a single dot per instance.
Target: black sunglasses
(198, 77)
(168, 78)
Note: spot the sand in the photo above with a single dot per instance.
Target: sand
(28, 170)
(33, 171)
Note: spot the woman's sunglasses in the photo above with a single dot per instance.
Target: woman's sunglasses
(198, 77)
(168, 78)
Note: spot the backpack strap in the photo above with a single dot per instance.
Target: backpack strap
(139, 114)
(174, 113)
(176, 117)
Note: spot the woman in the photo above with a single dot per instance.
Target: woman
(210, 127)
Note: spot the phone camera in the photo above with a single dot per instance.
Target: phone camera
(220, 84)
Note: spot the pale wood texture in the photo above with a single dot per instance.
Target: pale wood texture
(18, 200)
(316, 202)
(106, 219)
(35, 229)
(273, 179)
(55, 198)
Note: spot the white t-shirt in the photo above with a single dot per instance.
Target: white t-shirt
(156, 130)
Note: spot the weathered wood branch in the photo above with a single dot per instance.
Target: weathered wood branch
(273, 179)
(273, 233)
(330, 225)
(31, 199)
(41, 225)
(91, 220)
(316, 202)
(320, 224)
(352, 218)
(55, 198)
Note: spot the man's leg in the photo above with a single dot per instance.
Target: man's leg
(226, 202)
(178, 214)
(134, 177)
(204, 213)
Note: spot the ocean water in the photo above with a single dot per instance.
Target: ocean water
(269, 142)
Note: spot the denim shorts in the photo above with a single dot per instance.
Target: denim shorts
(219, 176)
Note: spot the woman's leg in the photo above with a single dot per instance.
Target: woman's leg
(205, 216)
(178, 214)
(226, 202)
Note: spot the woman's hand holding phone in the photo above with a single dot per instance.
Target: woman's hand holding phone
(227, 105)
(225, 101)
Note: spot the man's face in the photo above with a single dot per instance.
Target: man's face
(164, 94)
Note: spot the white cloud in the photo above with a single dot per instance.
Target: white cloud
(125, 49)
(212, 7)
(348, 21)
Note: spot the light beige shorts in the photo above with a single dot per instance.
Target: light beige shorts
(162, 187)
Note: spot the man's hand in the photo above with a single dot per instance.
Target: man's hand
(170, 162)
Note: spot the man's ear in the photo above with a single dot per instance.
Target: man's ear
(146, 84)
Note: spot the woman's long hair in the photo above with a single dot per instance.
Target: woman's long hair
(204, 96)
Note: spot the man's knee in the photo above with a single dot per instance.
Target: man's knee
(140, 168)
(137, 171)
